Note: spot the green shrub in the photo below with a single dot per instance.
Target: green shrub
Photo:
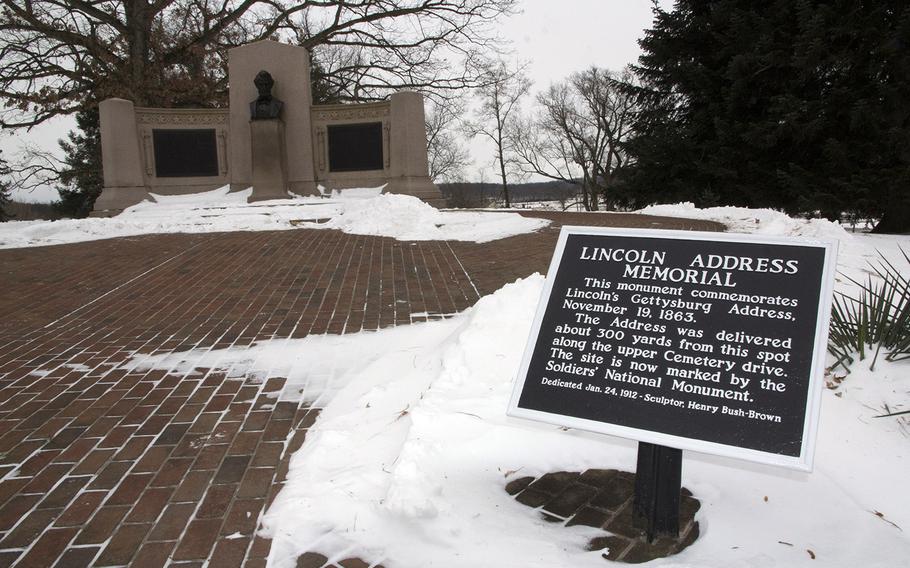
(875, 322)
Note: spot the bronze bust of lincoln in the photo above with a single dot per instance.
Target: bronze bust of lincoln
(265, 106)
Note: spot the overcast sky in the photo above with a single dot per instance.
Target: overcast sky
(560, 37)
(557, 38)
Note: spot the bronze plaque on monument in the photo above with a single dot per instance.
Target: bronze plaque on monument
(185, 152)
(355, 147)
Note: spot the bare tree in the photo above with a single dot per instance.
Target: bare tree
(4, 189)
(498, 114)
(59, 56)
(447, 157)
(579, 133)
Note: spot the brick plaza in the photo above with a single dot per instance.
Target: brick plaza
(105, 465)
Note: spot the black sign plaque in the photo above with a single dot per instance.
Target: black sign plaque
(185, 152)
(711, 342)
(355, 147)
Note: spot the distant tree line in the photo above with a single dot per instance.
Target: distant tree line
(20, 211)
(474, 194)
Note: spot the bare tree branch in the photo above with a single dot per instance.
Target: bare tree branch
(59, 56)
(447, 157)
(579, 133)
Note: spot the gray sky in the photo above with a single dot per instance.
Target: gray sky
(560, 37)
(557, 37)
(564, 36)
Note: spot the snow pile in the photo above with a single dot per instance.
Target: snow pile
(361, 211)
(407, 218)
(757, 221)
(409, 460)
(213, 211)
(401, 216)
(220, 197)
(408, 463)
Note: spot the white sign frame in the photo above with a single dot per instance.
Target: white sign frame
(804, 461)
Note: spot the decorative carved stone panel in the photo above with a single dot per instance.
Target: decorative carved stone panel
(356, 147)
(185, 152)
(333, 113)
(181, 116)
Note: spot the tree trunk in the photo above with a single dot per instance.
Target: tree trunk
(505, 185)
(591, 190)
(585, 201)
(502, 162)
(138, 23)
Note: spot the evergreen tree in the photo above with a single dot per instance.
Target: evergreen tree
(81, 179)
(794, 104)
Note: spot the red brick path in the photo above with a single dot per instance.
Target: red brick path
(105, 465)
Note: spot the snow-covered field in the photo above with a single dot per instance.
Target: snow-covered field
(357, 211)
(408, 461)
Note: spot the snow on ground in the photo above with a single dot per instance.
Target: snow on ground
(854, 252)
(357, 211)
(408, 461)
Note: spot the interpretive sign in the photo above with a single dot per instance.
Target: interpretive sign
(185, 152)
(355, 147)
(712, 342)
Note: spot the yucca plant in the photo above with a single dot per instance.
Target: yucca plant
(876, 321)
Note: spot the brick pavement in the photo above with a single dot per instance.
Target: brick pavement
(491, 265)
(104, 464)
(604, 499)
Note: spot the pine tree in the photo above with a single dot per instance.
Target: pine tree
(796, 105)
(81, 179)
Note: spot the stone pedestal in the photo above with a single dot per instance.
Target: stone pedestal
(269, 165)
(120, 157)
(289, 66)
(408, 147)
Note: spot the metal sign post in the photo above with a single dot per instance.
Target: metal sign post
(658, 481)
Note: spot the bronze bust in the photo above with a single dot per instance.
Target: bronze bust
(265, 106)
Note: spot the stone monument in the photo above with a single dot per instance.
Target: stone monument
(271, 138)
